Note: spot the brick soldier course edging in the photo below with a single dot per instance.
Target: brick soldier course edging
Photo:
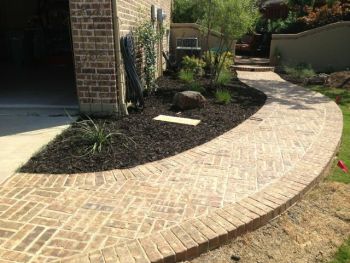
(180, 207)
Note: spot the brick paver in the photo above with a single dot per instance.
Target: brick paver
(179, 207)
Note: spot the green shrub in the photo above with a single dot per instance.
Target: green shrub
(212, 57)
(223, 97)
(94, 135)
(193, 64)
(195, 86)
(224, 77)
(300, 71)
(186, 76)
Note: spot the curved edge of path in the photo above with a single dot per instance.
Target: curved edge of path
(191, 238)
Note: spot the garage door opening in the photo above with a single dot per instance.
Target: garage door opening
(36, 59)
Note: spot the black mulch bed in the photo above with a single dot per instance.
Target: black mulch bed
(154, 140)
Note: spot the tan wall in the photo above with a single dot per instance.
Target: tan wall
(324, 48)
(183, 30)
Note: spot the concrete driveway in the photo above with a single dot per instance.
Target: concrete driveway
(23, 132)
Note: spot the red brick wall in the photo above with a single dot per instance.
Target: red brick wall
(133, 12)
(93, 44)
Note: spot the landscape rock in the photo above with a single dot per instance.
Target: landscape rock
(339, 79)
(187, 100)
(319, 79)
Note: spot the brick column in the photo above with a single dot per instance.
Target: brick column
(94, 55)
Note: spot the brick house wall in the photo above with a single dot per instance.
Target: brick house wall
(134, 12)
(94, 47)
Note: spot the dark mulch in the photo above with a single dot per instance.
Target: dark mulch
(153, 140)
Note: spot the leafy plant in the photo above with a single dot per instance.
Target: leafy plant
(148, 36)
(185, 11)
(309, 14)
(300, 71)
(186, 76)
(193, 64)
(232, 19)
(224, 78)
(195, 86)
(93, 134)
(223, 97)
(291, 23)
(213, 57)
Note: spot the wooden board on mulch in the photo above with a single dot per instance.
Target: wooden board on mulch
(152, 140)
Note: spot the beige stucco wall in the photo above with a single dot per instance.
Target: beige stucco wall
(183, 30)
(327, 47)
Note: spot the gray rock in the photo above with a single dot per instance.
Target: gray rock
(187, 100)
(320, 79)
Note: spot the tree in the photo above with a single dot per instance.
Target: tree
(185, 11)
(231, 18)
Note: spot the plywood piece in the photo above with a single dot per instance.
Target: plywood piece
(177, 120)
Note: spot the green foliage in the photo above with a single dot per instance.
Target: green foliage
(300, 71)
(283, 25)
(308, 14)
(224, 78)
(148, 36)
(223, 97)
(185, 11)
(343, 253)
(212, 58)
(94, 135)
(195, 86)
(186, 76)
(193, 64)
(231, 18)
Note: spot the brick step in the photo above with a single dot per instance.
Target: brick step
(253, 68)
(239, 60)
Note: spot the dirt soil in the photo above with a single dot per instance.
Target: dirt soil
(145, 140)
(311, 231)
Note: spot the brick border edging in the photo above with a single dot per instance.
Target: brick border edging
(189, 239)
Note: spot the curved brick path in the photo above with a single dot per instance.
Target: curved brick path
(177, 208)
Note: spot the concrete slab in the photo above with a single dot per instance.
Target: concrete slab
(23, 132)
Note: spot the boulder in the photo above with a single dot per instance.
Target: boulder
(319, 79)
(187, 100)
(339, 79)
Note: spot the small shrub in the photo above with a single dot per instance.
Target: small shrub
(195, 86)
(186, 76)
(94, 135)
(223, 97)
(300, 71)
(211, 58)
(224, 77)
(193, 64)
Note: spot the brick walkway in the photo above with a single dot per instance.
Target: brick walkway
(177, 208)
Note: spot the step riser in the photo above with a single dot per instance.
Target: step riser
(253, 69)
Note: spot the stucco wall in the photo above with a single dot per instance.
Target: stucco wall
(324, 48)
(183, 30)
